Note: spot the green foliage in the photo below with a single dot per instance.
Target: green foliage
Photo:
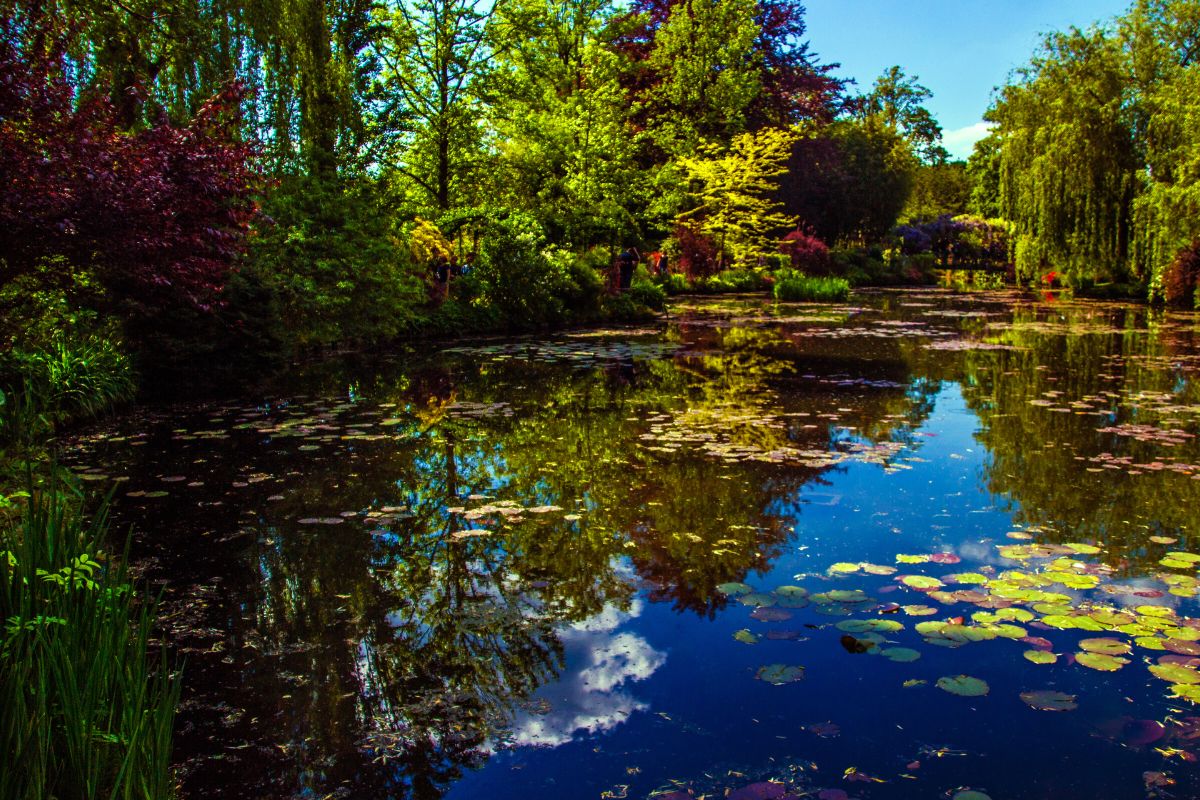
(939, 189)
(732, 194)
(66, 380)
(1095, 154)
(898, 101)
(797, 287)
(84, 708)
(731, 281)
(333, 266)
(648, 294)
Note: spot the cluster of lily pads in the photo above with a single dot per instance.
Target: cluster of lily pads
(1057, 589)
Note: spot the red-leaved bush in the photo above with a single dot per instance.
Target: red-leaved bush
(697, 252)
(157, 215)
(807, 252)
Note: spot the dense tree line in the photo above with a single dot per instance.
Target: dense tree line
(205, 178)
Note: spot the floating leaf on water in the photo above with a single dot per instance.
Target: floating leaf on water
(826, 730)
(779, 674)
(963, 685)
(877, 569)
(965, 577)
(470, 533)
(912, 683)
(1150, 643)
(911, 559)
(843, 568)
(1040, 656)
(944, 558)
(857, 644)
(1180, 555)
(1106, 646)
(1163, 539)
(1083, 549)
(1186, 647)
(1099, 661)
(1175, 673)
(734, 588)
(745, 636)
(919, 610)
(757, 599)
(865, 625)
(1186, 691)
(769, 614)
(921, 582)
(970, 794)
(900, 654)
(1046, 700)
(1155, 611)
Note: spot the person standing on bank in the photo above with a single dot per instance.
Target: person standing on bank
(627, 261)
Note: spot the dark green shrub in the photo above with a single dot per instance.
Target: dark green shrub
(648, 294)
(332, 264)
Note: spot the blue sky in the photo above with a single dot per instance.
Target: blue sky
(959, 49)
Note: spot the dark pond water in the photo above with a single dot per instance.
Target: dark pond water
(920, 546)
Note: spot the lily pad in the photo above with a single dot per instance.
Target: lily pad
(900, 654)
(1175, 673)
(757, 599)
(745, 636)
(921, 582)
(779, 674)
(1106, 646)
(963, 685)
(767, 614)
(1101, 662)
(1040, 656)
(1046, 700)
(734, 588)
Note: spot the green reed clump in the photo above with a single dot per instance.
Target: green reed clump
(86, 708)
(802, 288)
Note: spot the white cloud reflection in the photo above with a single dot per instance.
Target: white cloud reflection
(593, 693)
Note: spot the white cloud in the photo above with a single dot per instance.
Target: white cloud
(592, 695)
(960, 140)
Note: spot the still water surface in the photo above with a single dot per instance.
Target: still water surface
(922, 545)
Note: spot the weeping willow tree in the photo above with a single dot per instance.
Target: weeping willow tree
(1067, 162)
(1095, 153)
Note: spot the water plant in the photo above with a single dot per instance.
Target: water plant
(86, 709)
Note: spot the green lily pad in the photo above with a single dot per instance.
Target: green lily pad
(779, 674)
(1101, 662)
(1106, 646)
(757, 599)
(1045, 700)
(843, 568)
(864, 625)
(745, 636)
(963, 685)
(1040, 656)
(791, 597)
(911, 559)
(1175, 673)
(900, 654)
(971, 794)
(734, 588)
(966, 577)
(921, 582)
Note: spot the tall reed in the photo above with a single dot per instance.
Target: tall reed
(86, 707)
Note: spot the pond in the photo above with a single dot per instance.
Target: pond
(920, 545)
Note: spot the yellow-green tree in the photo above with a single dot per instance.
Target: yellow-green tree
(732, 193)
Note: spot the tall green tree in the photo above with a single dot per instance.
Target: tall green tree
(564, 141)
(435, 56)
(899, 101)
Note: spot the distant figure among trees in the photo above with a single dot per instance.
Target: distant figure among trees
(626, 262)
